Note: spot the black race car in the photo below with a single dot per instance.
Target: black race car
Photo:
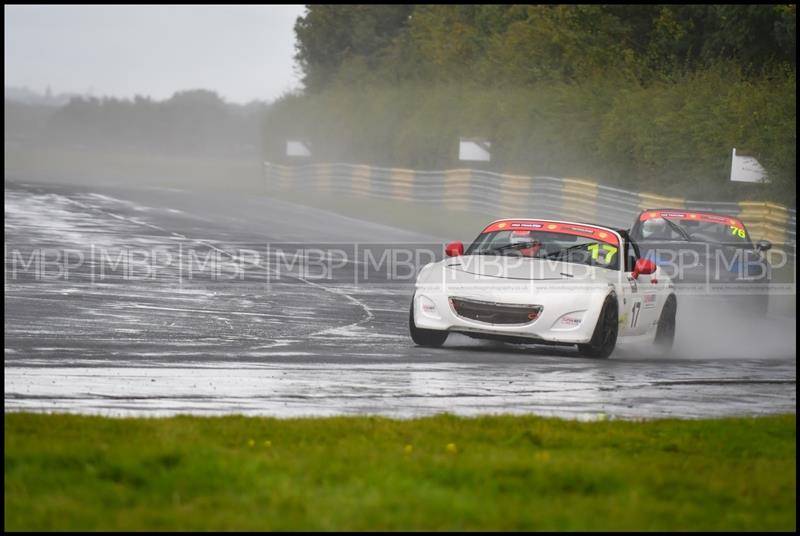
(706, 254)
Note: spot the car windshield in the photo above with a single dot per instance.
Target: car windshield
(547, 245)
(691, 226)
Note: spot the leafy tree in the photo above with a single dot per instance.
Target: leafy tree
(327, 35)
(650, 96)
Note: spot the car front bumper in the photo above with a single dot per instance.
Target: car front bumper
(566, 317)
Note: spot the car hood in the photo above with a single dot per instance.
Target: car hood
(512, 280)
(519, 268)
(701, 261)
(702, 248)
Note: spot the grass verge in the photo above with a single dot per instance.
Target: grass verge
(65, 472)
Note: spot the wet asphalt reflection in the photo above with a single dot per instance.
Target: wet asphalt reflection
(97, 339)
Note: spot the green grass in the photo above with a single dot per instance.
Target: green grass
(505, 473)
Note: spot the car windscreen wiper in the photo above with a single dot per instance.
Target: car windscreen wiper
(562, 251)
(507, 246)
(678, 229)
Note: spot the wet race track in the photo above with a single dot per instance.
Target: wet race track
(160, 301)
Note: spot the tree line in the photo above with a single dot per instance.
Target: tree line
(651, 96)
(195, 122)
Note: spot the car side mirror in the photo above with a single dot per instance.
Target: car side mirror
(454, 249)
(764, 245)
(643, 266)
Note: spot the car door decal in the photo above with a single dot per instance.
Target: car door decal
(635, 313)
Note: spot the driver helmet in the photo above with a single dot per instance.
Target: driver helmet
(520, 237)
(525, 237)
(655, 228)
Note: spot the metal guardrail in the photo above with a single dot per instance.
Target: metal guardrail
(502, 195)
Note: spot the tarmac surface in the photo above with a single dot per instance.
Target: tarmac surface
(122, 301)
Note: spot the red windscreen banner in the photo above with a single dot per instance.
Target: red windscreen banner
(688, 215)
(575, 229)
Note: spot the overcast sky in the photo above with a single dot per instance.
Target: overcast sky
(241, 52)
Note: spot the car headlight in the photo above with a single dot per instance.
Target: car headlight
(571, 320)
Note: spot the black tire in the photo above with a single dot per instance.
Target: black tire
(665, 332)
(604, 338)
(431, 338)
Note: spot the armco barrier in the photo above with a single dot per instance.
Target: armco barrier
(499, 195)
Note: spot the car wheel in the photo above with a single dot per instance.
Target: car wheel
(665, 332)
(424, 337)
(604, 338)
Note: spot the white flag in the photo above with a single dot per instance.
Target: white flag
(474, 149)
(298, 148)
(747, 169)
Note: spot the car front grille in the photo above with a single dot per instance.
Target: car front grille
(495, 313)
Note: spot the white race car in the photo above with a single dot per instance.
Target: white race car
(544, 282)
